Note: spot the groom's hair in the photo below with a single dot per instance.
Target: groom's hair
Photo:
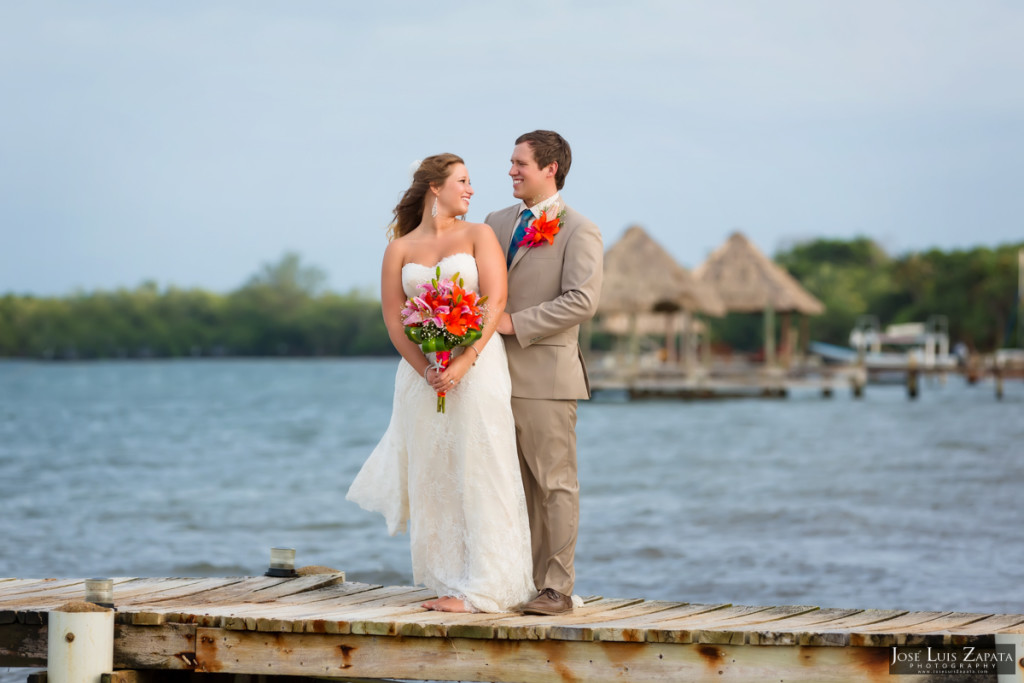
(549, 147)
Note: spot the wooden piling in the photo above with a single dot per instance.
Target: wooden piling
(912, 377)
(858, 378)
(826, 385)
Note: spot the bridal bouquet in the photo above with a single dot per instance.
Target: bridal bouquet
(443, 316)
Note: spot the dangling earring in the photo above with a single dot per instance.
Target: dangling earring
(433, 209)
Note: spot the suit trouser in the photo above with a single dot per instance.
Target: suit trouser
(546, 440)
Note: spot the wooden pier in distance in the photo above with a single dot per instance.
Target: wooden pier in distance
(776, 383)
(321, 625)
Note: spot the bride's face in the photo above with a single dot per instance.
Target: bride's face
(453, 197)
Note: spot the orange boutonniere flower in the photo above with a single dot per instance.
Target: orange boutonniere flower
(542, 229)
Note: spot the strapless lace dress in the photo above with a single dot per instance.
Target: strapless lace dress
(454, 476)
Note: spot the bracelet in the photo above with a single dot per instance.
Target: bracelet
(425, 371)
(473, 346)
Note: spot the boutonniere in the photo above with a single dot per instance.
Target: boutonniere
(543, 229)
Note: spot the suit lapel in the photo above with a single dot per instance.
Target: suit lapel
(520, 255)
(507, 227)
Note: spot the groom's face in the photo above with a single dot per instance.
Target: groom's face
(530, 183)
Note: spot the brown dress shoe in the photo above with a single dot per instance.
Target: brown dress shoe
(549, 603)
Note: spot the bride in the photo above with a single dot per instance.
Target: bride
(453, 476)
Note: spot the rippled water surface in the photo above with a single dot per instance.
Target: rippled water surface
(197, 468)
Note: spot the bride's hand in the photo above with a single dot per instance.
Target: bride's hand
(436, 379)
(451, 377)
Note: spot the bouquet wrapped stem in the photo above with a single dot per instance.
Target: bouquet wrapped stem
(440, 361)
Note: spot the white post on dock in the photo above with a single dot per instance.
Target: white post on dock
(80, 643)
(931, 343)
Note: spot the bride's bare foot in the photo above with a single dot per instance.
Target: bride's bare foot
(448, 604)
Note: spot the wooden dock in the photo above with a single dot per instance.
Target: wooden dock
(324, 626)
(777, 383)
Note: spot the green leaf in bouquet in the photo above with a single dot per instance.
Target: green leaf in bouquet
(433, 344)
(470, 337)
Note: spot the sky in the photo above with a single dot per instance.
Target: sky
(191, 142)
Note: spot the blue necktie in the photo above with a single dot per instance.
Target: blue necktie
(518, 236)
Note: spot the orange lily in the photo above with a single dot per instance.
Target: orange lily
(542, 229)
(458, 320)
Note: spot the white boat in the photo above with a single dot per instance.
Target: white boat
(888, 354)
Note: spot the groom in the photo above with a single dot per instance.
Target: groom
(555, 259)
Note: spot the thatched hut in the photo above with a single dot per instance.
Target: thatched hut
(642, 281)
(747, 281)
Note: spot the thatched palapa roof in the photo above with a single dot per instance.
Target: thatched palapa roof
(640, 276)
(747, 281)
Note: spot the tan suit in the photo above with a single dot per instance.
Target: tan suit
(552, 289)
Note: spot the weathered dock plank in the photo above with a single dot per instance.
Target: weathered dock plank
(634, 627)
(47, 591)
(209, 601)
(732, 629)
(837, 632)
(994, 623)
(301, 584)
(350, 617)
(512, 626)
(169, 648)
(151, 590)
(791, 630)
(160, 608)
(583, 625)
(291, 614)
(688, 628)
(894, 631)
(22, 645)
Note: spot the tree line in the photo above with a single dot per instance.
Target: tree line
(285, 310)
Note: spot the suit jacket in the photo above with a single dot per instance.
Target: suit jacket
(552, 289)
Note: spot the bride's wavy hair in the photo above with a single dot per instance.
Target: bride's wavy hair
(432, 172)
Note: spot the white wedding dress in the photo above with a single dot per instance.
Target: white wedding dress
(455, 475)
